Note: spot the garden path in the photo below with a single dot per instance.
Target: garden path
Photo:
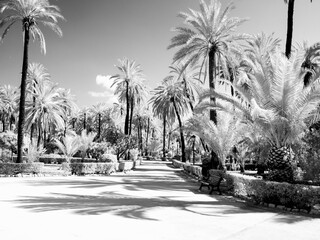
(154, 202)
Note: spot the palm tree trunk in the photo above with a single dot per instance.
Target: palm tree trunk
(164, 134)
(84, 121)
(183, 146)
(169, 140)
(147, 137)
(39, 134)
(289, 27)
(131, 114)
(23, 92)
(126, 123)
(99, 126)
(212, 66)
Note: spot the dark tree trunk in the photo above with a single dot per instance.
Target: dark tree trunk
(169, 140)
(39, 134)
(193, 151)
(99, 126)
(23, 92)
(183, 147)
(212, 66)
(3, 124)
(187, 94)
(164, 134)
(289, 27)
(147, 137)
(126, 123)
(84, 121)
(131, 114)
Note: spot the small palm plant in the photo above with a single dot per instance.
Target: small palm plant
(68, 145)
(34, 152)
(279, 104)
(220, 138)
(84, 142)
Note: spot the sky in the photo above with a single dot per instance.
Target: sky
(97, 33)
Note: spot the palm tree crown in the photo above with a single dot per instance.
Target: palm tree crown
(208, 38)
(31, 12)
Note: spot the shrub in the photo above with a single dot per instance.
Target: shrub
(289, 195)
(96, 150)
(13, 169)
(91, 168)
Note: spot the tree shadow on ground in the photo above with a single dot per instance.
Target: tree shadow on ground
(169, 185)
(127, 206)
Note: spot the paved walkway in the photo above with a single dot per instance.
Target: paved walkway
(153, 202)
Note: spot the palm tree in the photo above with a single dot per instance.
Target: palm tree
(221, 138)
(68, 145)
(70, 106)
(8, 95)
(98, 110)
(129, 86)
(48, 109)
(30, 12)
(289, 26)
(279, 105)
(209, 38)
(84, 142)
(36, 73)
(170, 103)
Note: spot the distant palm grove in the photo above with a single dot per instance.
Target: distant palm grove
(239, 100)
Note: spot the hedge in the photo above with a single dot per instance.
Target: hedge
(290, 196)
(13, 169)
(92, 168)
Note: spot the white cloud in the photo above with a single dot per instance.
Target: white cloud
(108, 92)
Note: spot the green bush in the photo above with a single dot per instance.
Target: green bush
(289, 195)
(91, 168)
(13, 169)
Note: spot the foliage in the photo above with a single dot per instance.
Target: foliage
(13, 169)
(124, 144)
(111, 135)
(308, 155)
(68, 145)
(221, 138)
(85, 140)
(288, 195)
(31, 12)
(96, 150)
(34, 153)
(8, 140)
(207, 31)
(92, 168)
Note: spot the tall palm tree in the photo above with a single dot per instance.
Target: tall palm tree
(129, 86)
(30, 13)
(289, 26)
(170, 103)
(208, 39)
(279, 105)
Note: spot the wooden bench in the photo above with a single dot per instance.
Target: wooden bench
(213, 181)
